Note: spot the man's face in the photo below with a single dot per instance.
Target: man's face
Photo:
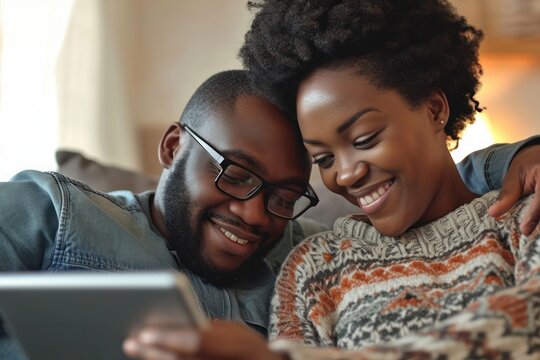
(216, 235)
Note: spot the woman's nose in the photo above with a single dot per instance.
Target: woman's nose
(350, 172)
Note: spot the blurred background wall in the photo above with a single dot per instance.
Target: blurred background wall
(105, 77)
(116, 73)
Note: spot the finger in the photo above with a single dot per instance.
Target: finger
(510, 193)
(532, 217)
(137, 350)
(222, 340)
(131, 348)
(183, 342)
(225, 340)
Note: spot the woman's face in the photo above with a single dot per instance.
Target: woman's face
(375, 149)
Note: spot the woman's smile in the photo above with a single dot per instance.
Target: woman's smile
(374, 199)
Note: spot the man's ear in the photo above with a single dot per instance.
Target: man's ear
(170, 145)
(438, 109)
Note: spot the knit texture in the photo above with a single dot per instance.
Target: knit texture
(463, 286)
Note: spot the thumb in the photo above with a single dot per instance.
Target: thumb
(511, 191)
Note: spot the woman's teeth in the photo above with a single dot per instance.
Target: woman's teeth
(233, 237)
(376, 194)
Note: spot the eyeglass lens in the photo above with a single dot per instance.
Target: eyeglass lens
(238, 182)
(241, 184)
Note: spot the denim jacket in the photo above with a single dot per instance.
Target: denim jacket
(49, 222)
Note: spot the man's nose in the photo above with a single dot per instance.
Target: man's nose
(252, 211)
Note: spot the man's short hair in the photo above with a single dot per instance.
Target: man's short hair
(217, 94)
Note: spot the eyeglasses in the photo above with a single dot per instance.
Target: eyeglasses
(242, 184)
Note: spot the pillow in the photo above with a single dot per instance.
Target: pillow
(101, 177)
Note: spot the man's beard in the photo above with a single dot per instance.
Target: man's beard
(186, 241)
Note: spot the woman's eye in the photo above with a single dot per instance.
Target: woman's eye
(364, 142)
(324, 161)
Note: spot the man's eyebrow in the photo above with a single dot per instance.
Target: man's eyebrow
(344, 126)
(236, 154)
(347, 123)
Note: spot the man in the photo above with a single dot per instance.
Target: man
(215, 221)
(235, 172)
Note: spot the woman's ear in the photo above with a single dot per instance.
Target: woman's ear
(438, 110)
(170, 145)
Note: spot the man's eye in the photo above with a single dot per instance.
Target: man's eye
(284, 199)
(324, 161)
(284, 203)
(237, 180)
(215, 168)
(364, 142)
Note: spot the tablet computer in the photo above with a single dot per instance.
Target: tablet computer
(88, 315)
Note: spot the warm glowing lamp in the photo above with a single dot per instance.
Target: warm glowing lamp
(475, 137)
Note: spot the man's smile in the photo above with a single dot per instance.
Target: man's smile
(233, 237)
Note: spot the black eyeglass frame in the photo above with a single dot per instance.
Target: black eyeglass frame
(224, 162)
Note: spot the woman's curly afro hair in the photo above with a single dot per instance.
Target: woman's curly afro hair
(413, 46)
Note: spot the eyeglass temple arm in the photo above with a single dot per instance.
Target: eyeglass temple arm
(215, 155)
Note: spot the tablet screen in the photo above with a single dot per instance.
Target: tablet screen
(85, 315)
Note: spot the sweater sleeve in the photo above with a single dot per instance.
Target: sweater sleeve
(499, 326)
(288, 307)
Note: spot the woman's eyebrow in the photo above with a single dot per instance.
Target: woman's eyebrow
(347, 123)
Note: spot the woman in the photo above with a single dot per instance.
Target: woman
(380, 88)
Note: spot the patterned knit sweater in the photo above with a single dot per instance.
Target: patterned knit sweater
(465, 286)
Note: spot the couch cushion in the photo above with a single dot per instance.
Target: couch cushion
(99, 176)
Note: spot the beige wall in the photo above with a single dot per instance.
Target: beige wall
(176, 45)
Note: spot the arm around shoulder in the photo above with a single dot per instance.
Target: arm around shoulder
(484, 170)
(515, 169)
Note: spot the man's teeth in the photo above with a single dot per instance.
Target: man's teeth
(233, 237)
(376, 194)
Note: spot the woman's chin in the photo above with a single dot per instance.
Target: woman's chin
(389, 227)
